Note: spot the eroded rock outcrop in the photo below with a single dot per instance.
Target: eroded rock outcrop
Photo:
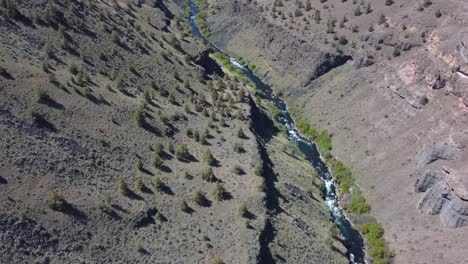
(443, 197)
(437, 151)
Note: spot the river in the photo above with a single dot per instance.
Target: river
(354, 242)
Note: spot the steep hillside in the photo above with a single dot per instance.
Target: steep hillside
(123, 141)
(386, 80)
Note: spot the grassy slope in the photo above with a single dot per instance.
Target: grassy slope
(95, 141)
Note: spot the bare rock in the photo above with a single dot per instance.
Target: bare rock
(434, 152)
(442, 199)
(427, 181)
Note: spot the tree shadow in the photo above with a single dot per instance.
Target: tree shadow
(151, 128)
(166, 156)
(189, 210)
(147, 190)
(249, 215)
(333, 248)
(75, 213)
(119, 208)
(145, 218)
(188, 158)
(51, 103)
(227, 196)
(205, 202)
(166, 189)
(134, 196)
(127, 93)
(165, 169)
(146, 171)
(6, 74)
(112, 214)
(215, 163)
(41, 122)
(3, 180)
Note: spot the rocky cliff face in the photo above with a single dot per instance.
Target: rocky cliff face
(397, 109)
(443, 197)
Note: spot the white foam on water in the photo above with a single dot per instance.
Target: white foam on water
(236, 63)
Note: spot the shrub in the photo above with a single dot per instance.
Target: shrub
(157, 148)
(157, 182)
(139, 164)
(396, 52)
(42, 95)
(170, 147)
(358, 204)
(208, 157)
(424, 100)
(357, 11)
(183, 206)
(317, 17)
(343, 176)
(139, 185)
(261, 185)
(56, 202)
(182, 152)
(139, 117)
(324, 141)
(208, 175)
(382, 19)
(259, 170)
(217, 260)
(219, 191)
(240, 133)
(238, 170)
(104, 207)
(157, 161)
(243, 210)
(438, 13)
(373, 233)
(73, 69)
(238, 148)
(123, 187)
(199, 197)
(342, 40)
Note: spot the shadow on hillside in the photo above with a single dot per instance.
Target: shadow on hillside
(52, 103)
(74, 212)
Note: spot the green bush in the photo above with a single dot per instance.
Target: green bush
(157, 161)
(157, 182)
(184, 206)
(199, 197)
(208, 157)
(139, 185)
(324, 141)
(170, 147)
(73, 69)
(56, 202)
(139, 117)
(342, 175)
(358, 204)
(240, 133)
(123, 187)
(238, 170)
(157, 148)
(208, 175)
(182, 152)
(261, 186)
(139, 164)
(373, 233)
(259, 169)
(243, 210)
(219, 191)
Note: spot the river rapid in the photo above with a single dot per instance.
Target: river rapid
(354, 242)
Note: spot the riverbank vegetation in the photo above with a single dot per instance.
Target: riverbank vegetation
(357, 206)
